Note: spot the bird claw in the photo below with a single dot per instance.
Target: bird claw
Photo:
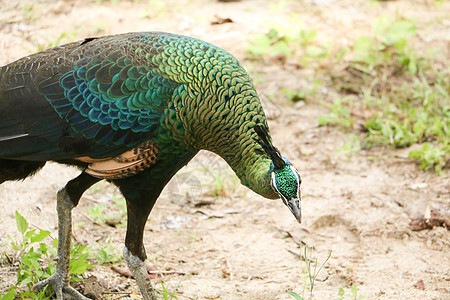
(61, 287)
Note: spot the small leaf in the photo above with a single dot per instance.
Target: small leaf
(381, 24)
(295, 295)
(9, 296)
(40, 236)
(29, 234)
(315, 51)
(281, 48)
(412, 66)
(307, 36)
(79, 266)
(15, 247)
(52, 251)
(325, 119)
(399, 30)
(363, 44)
(259, 45)
(363, 47)
(26, 281)
(28, 295)
(21, 222)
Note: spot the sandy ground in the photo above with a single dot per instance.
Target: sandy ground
(241, 246)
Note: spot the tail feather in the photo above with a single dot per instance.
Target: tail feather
(11, 137)
(18, 170)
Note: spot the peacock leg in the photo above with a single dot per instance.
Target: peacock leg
(134, 252)
(67, 199)
(137, 268)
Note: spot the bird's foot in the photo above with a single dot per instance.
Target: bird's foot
(61, 287)
(139, 271)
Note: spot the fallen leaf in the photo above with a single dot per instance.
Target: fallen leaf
(218, 20)
(122, 271)
(151, 270)
(419, 284)
(94, 288)
(225, 273)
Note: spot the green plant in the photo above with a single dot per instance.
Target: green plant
(303, 95)
(289, 39)
(353, 145)
(165, 294)
(294, 96)
(295, 295)
(389, 44)
(97, 213)
(311, 270)
(30, 12)
(8, 296)
(104, 253)
(431, 157)
(270, 43)
(30, 269)
(405, 95)
(352, 295)
(410, 114)
(78, 260)
(222, 185)
(340, 114)
(37, 260)
(313, 273)
(113, 214)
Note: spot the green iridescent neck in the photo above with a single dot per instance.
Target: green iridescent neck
(233, 138)
(254, 172)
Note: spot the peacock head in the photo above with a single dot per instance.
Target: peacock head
(284, 178)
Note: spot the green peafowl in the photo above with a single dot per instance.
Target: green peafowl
(133, 109)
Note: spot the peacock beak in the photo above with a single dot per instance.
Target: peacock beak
(294, 205)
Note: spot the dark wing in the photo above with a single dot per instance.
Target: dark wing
(91, 98)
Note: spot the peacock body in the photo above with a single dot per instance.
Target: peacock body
(133, 109)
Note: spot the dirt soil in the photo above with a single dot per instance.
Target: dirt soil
(241, 246)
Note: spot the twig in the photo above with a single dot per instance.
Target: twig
(117, 293)
(297, 241)
(89, 218)
(229, 269)
(300, 256)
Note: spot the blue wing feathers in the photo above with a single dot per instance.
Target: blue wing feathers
(104, 119)
(108, 92)
(105, 98)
